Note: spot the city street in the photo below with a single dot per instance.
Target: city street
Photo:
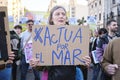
(62, 34)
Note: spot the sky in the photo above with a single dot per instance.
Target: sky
(42, 5)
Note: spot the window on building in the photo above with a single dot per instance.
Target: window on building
(6, 3)
(99, 16)
(20, 12)
(73, 15)
(13, 3)
(73, 8)
(95, 4)
(73, 12)
(100, 2)
(96, 16)
(113, 1)
(91, 6)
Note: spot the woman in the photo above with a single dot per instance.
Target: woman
(58, 17)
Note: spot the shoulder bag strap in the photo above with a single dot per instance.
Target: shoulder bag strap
(27, 41)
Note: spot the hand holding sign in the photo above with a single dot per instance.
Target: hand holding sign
(34, 62)
(87, 60)
(11, 58)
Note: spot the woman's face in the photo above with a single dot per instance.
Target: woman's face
(59, 17)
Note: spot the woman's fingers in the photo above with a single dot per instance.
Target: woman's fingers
(34, 62)
(87, 60)
(11, 56)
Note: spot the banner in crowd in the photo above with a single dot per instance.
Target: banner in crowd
(92, 21)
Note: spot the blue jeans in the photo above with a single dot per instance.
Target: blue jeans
(97, 74)
(79, 74)
(24, 68)
(5, 74)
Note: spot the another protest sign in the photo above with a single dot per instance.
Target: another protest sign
(4, 34)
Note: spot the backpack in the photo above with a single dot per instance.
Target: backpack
(15, 44)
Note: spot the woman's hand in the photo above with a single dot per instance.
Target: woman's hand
(87, 60)
(11, 58)
(34, 62)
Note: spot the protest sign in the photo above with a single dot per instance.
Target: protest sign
(4, 34)
(60, 45)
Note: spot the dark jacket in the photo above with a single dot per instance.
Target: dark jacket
(102, 43)
(15, 43)
(62, 73)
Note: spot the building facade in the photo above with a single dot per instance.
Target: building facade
(112, 11)
(77, 10)
(3, 2)
(104, 10)
(96, 9)
(15, 9)
(52, 4)
(72, 8)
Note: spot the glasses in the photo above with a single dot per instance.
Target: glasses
(30, 24)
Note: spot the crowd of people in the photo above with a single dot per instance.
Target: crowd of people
(104, 42)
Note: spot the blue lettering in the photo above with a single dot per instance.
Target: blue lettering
(67, 57)
(65, 35)
(37, 55)
(40, 57)
(37, 36)
(59, 56)
(41, 61)
(62, 46)
(54, 42)
(78, 35)
(76, 54)
(47, 35)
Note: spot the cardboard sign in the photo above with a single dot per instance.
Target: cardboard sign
(28, 52)
(4, 34)
(60, 45)
(95, 59)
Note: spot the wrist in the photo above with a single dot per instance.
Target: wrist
(2, 65)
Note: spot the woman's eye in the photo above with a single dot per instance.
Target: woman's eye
(63, 14)
(57, 14)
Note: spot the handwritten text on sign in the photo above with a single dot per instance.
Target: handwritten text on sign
(60, 45)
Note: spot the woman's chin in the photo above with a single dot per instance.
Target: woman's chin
(61, 24)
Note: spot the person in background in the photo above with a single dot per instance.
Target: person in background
(111, 59)
(112, 28)
(58, 16)
(15, 45)
(97, 66)
(26, 41)
(5, 74)
(18, 29)
(91, 40)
